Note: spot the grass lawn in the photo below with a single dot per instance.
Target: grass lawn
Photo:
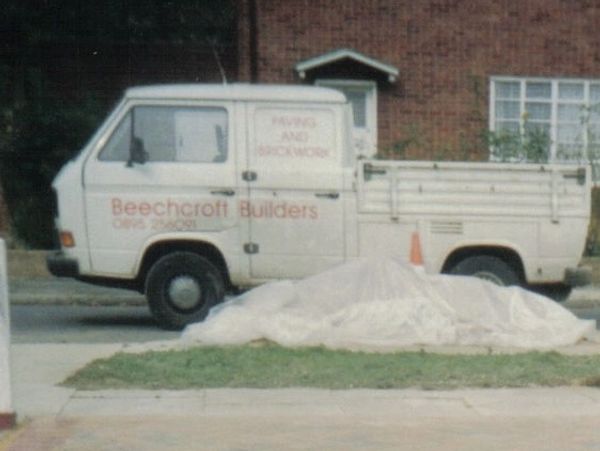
(272, 366)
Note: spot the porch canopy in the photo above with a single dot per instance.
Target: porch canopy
(345, 63)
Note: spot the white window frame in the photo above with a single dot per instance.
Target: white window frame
(370, 89)
(554, 103)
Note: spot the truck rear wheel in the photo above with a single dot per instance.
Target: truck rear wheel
(181, 287)
(558, 292)
(487, 267)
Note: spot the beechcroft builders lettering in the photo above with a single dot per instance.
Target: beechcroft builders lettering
(189, 215)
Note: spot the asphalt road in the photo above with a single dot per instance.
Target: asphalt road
(84, 324)
(588, 313)
(54, 310)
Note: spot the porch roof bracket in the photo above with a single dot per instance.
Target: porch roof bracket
(331, 57)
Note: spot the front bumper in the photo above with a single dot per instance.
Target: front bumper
(578, 277)
(60, 265)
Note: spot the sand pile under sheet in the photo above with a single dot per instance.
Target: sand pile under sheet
(386, 304)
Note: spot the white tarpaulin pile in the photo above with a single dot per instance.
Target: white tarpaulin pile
(385, 304)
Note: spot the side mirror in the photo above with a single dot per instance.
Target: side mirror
(137, 153)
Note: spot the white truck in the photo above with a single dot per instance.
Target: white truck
(188, 191)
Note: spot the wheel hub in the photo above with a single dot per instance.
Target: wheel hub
(185, 292)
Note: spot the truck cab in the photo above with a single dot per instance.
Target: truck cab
(249, 178)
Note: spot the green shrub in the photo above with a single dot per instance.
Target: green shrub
(532, 146)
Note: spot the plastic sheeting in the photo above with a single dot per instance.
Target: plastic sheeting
(386, 304)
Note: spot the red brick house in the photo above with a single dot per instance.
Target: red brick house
(428, 78)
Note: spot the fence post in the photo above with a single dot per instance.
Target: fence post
(7, 416)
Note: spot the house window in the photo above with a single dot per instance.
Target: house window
(362, 96)
(563, 115)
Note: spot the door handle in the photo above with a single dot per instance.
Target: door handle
(332, 195)
(223, 192)
(370, 169)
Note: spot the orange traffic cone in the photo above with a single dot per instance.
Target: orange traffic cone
(416, 256)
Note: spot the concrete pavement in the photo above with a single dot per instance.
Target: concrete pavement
(52, 417)
(316, 420)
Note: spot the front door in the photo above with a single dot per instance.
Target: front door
(362, 96)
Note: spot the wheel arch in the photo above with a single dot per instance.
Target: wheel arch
(510, 256)
(161, 248)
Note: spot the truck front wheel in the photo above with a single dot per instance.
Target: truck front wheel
(181, 287)
(487, 267)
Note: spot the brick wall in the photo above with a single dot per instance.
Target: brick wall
(446, 50)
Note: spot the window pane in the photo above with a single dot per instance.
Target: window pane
(538, 111)
(508, 89)
(117, 147)
(594, 133)
(572, 91)
(507, 110)
(510, 127)
(568, 133)
(571, 113)
(201, 135)
(538, 90)
(536, 127)
(507, 127)
(358, 100)
(154, 128)
(593, 153)
(569, 152)
(537, 140)
(594, 94)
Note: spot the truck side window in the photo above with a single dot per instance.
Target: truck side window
(201, 135)
(182, 134)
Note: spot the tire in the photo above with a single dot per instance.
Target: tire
(558, 292)
(181, 287)
(489, 268)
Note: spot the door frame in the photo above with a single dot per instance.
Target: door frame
(369, 87)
